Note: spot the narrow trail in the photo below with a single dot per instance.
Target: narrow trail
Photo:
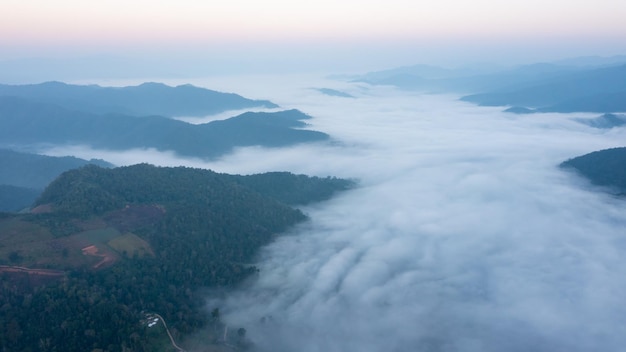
(21, 269)
(168, 333)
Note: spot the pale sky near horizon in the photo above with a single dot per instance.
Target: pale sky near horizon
(335, 30)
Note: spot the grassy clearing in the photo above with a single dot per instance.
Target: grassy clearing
(23, 243)
(130, 245)
(96, 236)
(28, 244)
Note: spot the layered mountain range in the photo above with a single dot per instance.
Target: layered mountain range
(566, 86)
(38, 116)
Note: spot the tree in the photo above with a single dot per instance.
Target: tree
(215, 317)
(15, 257)
(215, 314)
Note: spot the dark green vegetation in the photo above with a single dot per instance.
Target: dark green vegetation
(605, 168)
(24, 122)
(292, 189)
(142, 100)
(136, 239)
(23, 176)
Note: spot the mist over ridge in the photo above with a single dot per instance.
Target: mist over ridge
(463, 236)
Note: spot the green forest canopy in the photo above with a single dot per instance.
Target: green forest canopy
(199, 229)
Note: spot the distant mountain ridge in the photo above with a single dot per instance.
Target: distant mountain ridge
(13, 198)
(605, 121)
(37, 171)
(588, 84)
(334, 93)
(58, 114)
(23, 122)
(23, 176)
(146, 99)
(439, 80)
(596, 90)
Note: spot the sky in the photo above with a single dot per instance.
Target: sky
(272, 35)
(463, 235)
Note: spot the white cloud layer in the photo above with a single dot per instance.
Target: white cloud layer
(463, 235)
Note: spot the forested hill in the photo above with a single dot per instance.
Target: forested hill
(37, 171)
(145, 99)
(294, 189)
(603, 168)
(23, 176)
(91, 190)
(132, 240)
(24, 122)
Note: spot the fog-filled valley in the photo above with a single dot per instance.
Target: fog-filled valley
(465, 235)
(272, 176)
(463, 232)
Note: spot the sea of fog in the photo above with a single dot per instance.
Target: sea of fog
(463, 235)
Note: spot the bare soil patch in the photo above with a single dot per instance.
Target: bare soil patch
(108, 257)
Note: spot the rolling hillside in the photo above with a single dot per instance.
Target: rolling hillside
(105, 246)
